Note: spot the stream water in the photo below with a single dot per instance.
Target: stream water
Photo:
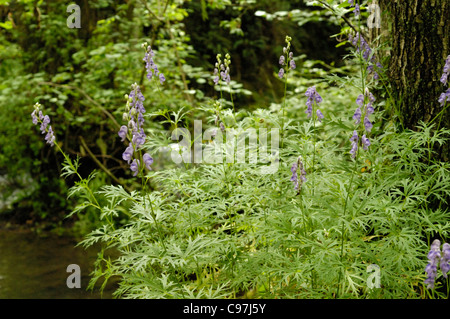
(35, 267)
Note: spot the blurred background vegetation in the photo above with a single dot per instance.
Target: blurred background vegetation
(81, 77)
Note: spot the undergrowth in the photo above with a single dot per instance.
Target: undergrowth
(349, 209)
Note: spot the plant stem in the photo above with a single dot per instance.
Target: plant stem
(343, 216)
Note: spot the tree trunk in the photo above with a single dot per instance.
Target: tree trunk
(419, 33)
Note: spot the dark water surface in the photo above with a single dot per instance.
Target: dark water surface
(35, 267)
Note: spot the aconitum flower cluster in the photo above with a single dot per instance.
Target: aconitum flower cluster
(435, 257)
(135, 117)
(366, 110)
(354, 139)
(222, 70)
(313, 97)
(150, 65)
(286, 60)
(356, 11)
(38, 117)
(446, 71)
(361, 45)
(445, 96)
(295, 169)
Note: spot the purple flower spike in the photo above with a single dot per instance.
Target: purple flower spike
(446, 71)
(44, 120)
(431, 268)
(313, 96)
(298, 167)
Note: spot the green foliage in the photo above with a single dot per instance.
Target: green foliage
(225, 230)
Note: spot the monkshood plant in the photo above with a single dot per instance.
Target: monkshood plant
(349, 211)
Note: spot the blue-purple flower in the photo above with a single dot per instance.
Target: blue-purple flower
(361, 45)
(313, 97)
(148, 160)
(446, 71)
(356, 10)
(135, 117)
(222, 69)
(44, 123)
(445, 259)
(295, 168)
(50, 137)
(290, 63)
(44, 127)
(367, 124)
(138, 138)
(128, 154)
(444, 97)
(162, 78)
(354, 139)
(150, 65)
(123, 132)
(431, 269)
(357, 116)
(216, 76)
(319, 115)
(281, 73)
(134, 167)
(360, 100)
(365, 142)
(294, 177)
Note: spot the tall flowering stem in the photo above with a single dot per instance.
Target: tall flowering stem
(286, 61)
(222, 74)
(314, 99)
(135, 134)
(361, 116)
(38, 118)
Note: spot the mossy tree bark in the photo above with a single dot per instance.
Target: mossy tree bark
(419, 34)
